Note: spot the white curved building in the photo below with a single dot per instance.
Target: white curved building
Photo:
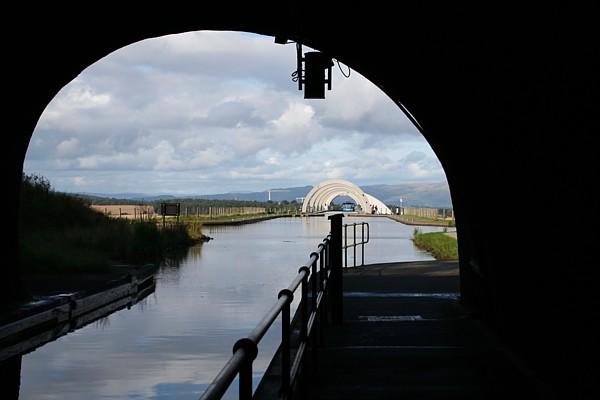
(321, 196)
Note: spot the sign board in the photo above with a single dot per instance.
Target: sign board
(170, 209)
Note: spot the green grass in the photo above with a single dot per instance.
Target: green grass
(236, 217)
(59, 233)
(440, 245)
(202, 218)
(413, 219)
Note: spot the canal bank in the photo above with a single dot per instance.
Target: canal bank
(242, 221)
(422, 221)
(172, 343)
(66, 303)
(53, 293)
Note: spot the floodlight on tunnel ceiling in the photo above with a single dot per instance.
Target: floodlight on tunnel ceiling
(315, 66)
(312, 74)
(313, 70)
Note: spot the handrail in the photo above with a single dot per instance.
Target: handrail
(245, 349)
(354, 244)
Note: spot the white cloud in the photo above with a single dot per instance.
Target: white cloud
(80, 181)
(67, 147)
(219, 107)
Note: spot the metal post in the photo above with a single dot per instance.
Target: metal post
(285, 348)
(313, 311)
(345, 246)
(335, 258)
(354, 243)
(321, 273)
(322, 312)
(246, 380)
(313, 280)
(362, 252)
(304, 305)
(327, 257)
(326, 307)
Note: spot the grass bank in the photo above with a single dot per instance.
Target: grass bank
(440, 245)
(415, 220)
(206, 218)
(59, 233)
(233, 217)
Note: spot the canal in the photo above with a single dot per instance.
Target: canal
(173, 343)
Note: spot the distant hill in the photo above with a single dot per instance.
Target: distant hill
(128, 196)
(413, 194)
(279, 194)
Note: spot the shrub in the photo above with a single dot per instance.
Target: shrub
(58, 232)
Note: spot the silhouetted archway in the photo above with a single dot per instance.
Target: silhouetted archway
(482, 94)
(321, 196)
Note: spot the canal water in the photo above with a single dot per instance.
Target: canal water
(173, 343)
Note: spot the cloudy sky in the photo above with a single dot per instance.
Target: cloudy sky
(213, 112)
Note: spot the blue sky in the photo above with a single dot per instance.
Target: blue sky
(212, 112)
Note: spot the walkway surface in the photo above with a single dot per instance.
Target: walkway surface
(405, 335)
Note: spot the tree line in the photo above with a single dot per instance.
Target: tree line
(192, 203)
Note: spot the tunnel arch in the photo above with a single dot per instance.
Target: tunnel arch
(101, 45)
(320, 197)
(483, 95)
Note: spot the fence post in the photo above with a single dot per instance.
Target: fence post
(245, 390)
(345, 246)
(335, 258)
(285, 340)
(245, 374)
(354, 243)
(362, 251)
(304, 304)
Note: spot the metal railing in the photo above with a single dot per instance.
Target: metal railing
(354, 243)
(312, 309)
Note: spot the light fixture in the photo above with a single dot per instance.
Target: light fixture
(313, 71)
(315, 78)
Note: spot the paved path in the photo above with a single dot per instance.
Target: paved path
(405, 335)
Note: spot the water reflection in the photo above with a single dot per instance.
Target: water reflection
(173, 343)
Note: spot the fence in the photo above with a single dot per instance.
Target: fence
(427, 212)
(320, 304)
(221, 211)
(364, 240)
(141, 212)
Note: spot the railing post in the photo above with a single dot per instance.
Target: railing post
(285, 340)
(327, 256)
(314, 283)
(246, 380)
(321, 272)
(362, 252)
(354, 243)
(345, 246)
(315, 294)
(322, 313)
(250, 351)
(304, 304)
(335, 258)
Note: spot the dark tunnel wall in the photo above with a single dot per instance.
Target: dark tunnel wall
(506, 111)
